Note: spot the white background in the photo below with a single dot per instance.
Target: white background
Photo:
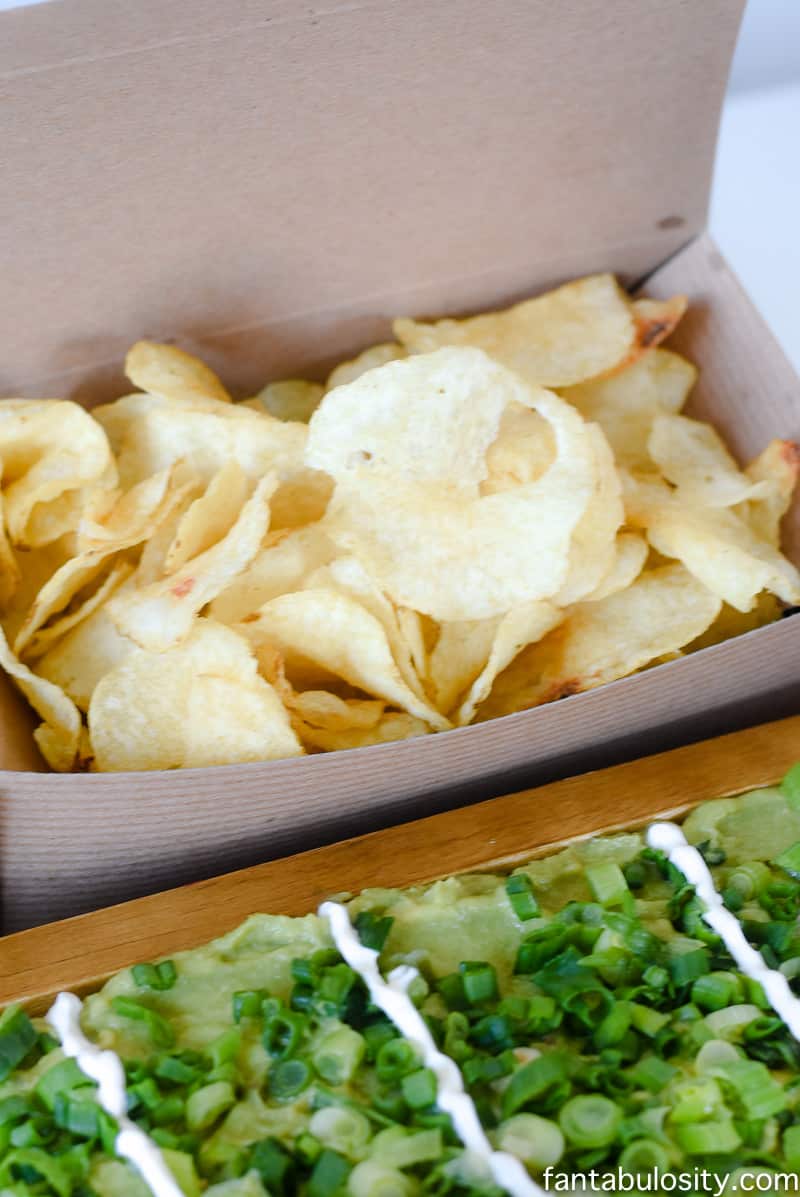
(755, 210)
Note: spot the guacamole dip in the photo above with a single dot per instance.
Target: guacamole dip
(596, 1019)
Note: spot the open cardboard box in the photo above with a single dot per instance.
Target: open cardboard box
(267, 184)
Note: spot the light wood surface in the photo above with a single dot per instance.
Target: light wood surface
(81, 952)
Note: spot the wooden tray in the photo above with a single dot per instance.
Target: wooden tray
(80, 953)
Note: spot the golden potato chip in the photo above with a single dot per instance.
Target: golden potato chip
(149, 433)
(45, 637)
(458, 657)
(411, 628)
(58, 735)
(777, 469)
(49, 448)
(291, 399)
(327, 711)
(210, 517)
(719, 548)
(83, 569)
(199, 703)
(626, 403)
(334, 632)
(523, 449)
(286, 560)
(84, 655)
(348, 576)
(416, 519)
(161, 614)
(368, 359)
(579, 331)
(593, 549)
(428, 419)
(10, 574)
(393, 725)
(731, 622)
(630, 555)
(523, 626)
(692, 456)
(601, 641)
(153, 557)
(168, 371)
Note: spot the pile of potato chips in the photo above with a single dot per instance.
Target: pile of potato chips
(482, 516)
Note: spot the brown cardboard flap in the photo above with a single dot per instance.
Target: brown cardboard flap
(267, 182)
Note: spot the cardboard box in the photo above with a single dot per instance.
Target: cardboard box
(267, 184)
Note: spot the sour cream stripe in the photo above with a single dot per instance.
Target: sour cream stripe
(668, 838)
(391, 996)
(105, 1067)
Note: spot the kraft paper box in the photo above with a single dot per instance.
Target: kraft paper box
(267, 184)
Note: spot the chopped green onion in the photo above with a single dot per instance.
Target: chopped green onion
(791, 1137)
(614, 1026)
(396, 1148)
(727, 1022)
(247, 1003)
(339, 1054)
(275, 1166)
(283, 1034)
(643, 1156)
(373, 930)
(155, 976)
(376, 1034)
(717, 1137)
(171, 1109)
(451, 988)
(159, 1029)
(758, 1094)
(395, 1059)
(652, 1073)
(715, 991)
(590, 1120)
(372, 1178)
(341, 1128)
(534, 1082)
(287, 1078)
(17, 1037)
(686, 967)
(225, 1048)
(206, 1105)
(13, 1108)
(172, 1068)
(714, 1055)
(53, 1171)
(146, 1093)
(61, 1078)
(607, 883)
(419, 1088)
(328, 1174)
(519, 889)
(538, 1142)
(647, 1020)
(480, 981)
(790, 860)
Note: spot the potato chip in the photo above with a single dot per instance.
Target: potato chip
(334, 632)
(777, 469)
(593, 549)
(368, 359)
(153, 558)
(291, 399)
(49, 448)
(394, 725)
(10, 574)
(416, 519)
(599, 642)
(83, 569)
(160, 615)
(168, 371)
(523, 449)
(327, 711)
(149, 433)
(692, 456)
(523, 626)
(630, 555)
(719, 548)
(427, 419)
(578, 331)
(625, 404)
(58, 735)
(210, 517)
(45, 637)
(731, 622)
(84, 655)
(199, 703)
(457, 658)
(348, 576)
(286, 560)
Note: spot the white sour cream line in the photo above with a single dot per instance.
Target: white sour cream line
(105, 1067)
(391, 996)
(668, 838)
